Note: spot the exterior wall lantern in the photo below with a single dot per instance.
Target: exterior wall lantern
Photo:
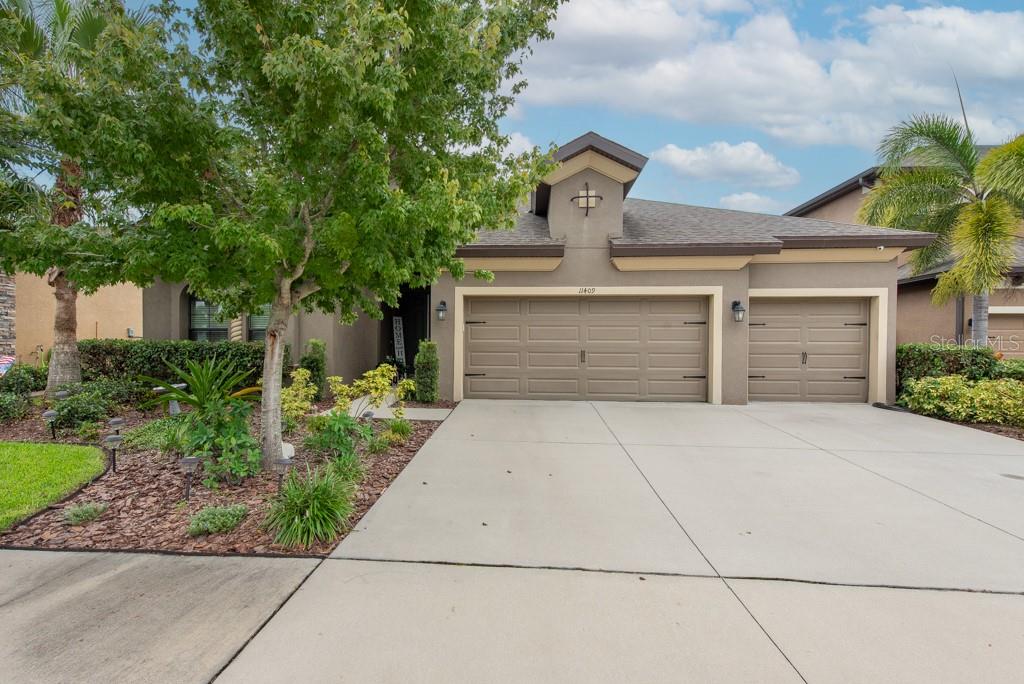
(738, 312)
(442, 310)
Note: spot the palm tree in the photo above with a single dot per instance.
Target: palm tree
(932, 179)
(57, 31)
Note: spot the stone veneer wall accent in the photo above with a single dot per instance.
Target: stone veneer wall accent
(6, 314)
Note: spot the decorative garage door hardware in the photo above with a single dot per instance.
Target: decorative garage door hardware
(476, 375)
(475, 322)
(695, 322)
(856, 324)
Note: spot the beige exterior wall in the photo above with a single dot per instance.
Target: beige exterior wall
(110, 312)
(843, 209)
(351, 349)
(919, 320)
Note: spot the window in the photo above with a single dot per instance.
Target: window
(206, 322)
(258, 324)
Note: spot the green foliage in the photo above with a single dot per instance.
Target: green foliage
(156, 358)
(914, 361)
(336, 434)
(369, 391)
(209, 383)
(12, 406)
(89, 432)
(378, 444)
(218, 433)
(955, 398)
(216, 519)
(297, 399)
(315, 361)
(32, 476)
(347, 467)
(399, 426)
(163, 434)
(23, 379)
(1012, 369)
(310, 509)
(79, 514)
(427, 372)
(118, 392)
(81, 406)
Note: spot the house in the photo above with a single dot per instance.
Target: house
(600, 296)
(918, 319)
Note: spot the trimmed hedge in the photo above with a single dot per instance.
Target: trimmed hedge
(1010, 368)
(956, 398)
(916, 361)
(426, 372)
(131, 358)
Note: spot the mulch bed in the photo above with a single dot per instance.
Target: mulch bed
(32, 428)
(439, 404)
(147, 512)
(1004, 430)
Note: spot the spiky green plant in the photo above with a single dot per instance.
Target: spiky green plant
(310, 508)
(206, 383)
(933, 179)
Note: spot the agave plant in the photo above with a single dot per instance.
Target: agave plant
(207, 383)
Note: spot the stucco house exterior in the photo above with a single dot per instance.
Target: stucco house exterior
(918, 319)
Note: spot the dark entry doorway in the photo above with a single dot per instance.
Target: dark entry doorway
(413, 311)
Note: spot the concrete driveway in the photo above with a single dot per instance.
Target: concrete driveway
(554, 541)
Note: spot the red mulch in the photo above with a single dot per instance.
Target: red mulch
(32, 428)
(146, 510)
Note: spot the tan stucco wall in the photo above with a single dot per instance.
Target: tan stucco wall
(843, 209)
(919, 320)
(110, 312)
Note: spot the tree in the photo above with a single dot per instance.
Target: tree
(359, 148)
(57, 33)
(932, 179)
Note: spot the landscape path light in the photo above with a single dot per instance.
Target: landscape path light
(50, 417)
(189, 465)
(112, 442)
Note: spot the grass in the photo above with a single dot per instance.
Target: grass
(32, 476)
(79, 514)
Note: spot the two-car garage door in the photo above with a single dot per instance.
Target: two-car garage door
(620, 348)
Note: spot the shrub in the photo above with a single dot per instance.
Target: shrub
(1010, 368)
(315, 361)
(915, 361)
(208, 383)
(309, 509)
(132, 358)
(163, 434)
(955, 398)
(426, 372)
(120, 392)
(336, 434)
(371, 390)
(23, 379)
(81, 407)
(219, 435)
(399, 426)
(12, 406)
(297, 399)
(347, 467)
(378, 444)
(216, 519)
(89, 432)
(79, 514)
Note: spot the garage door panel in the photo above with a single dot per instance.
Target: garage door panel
(493, 307)
(1006, 334)
(803, 349)
(635, 348)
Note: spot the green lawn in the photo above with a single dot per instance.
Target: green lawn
(33, 476)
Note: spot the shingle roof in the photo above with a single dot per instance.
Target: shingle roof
(905, 273)
(530, 237)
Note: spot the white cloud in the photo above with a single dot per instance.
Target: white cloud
(682, 60)
(751, 201)
(746, 163)
(518, 143)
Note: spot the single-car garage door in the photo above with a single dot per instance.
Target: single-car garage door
(808, 350)
(619, 348)
(1006, 334)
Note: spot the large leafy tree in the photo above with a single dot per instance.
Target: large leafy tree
(58, 35)
(358, 147)
(932, 179)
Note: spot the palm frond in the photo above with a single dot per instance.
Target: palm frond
(904, 199)
(934, 140)
(32, 38)
(941, 222)
(982, 240)
(1002, 170)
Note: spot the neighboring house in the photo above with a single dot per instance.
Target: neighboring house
(918, 319)
(27, 310)
(599, 296)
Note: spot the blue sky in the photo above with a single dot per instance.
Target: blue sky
(760, 105)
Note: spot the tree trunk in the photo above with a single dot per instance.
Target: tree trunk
(979, 320)
(273, 361)
(65, 364)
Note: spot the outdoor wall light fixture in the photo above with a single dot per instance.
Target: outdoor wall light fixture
(189, 465)
(112, 442)
(738, 312)
(442, 310)
(51, 419)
